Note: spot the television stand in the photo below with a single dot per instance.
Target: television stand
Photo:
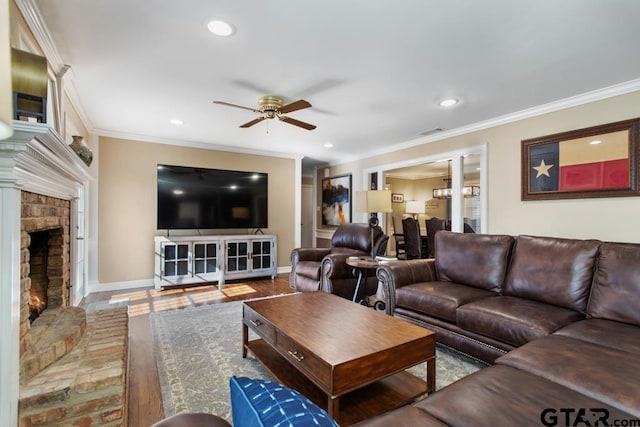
(185, 260)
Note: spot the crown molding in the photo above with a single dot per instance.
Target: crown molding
(193, 144)
(574, 101)
(41, 33)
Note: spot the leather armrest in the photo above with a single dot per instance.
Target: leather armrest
(397, 274)
(335, 265)
(308, 254)
(304, 254)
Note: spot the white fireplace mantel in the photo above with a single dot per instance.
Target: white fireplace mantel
(34, 159)
(44, 163)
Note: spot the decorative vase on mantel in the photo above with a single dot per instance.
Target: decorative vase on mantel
(78, 145)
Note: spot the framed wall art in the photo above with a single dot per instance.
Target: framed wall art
(397, 197)
(600, 161)
(336, 200)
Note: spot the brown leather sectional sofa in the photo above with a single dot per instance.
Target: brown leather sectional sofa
(559, 319)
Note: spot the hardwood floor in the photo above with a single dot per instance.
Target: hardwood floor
(145, 400)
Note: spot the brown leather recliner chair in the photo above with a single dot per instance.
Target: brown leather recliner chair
(314, 269)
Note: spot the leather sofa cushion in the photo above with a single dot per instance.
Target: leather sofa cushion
(308, 269)
(608, 333)
(608, 375)
(513, 320)
(552, 270)
(503, 396)
(408, 416)
(616, 284)
(478, 260)
(438, 299)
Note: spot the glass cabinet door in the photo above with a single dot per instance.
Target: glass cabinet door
(175, 259)
(261, 254)
(237, 256)
(205, 257)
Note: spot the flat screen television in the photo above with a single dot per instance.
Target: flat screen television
(199, 198)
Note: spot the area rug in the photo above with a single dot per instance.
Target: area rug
(198, 349)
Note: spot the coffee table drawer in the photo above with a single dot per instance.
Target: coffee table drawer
(259, 325)
(313, 367)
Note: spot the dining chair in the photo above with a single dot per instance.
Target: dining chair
(398, 236)
(412, 240)
(433, 225)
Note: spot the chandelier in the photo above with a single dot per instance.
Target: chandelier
(447, 192)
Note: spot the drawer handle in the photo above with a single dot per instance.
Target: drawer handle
(296, 355)
(256, 323)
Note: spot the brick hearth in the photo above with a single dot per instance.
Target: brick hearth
(87, 387)
(73, 364)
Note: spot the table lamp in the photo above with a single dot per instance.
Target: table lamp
(414, 207)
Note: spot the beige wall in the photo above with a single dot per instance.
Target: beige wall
(127, 201)
(612, 219)
(417, 189)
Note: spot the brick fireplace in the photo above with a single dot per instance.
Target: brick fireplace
(59, 365)
(45, 254)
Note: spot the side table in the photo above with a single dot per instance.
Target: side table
(361, 267)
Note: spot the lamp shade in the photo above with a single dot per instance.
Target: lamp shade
(373, 201)
(6, 108)
(414, 207)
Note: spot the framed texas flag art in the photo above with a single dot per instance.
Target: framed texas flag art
(600, 161)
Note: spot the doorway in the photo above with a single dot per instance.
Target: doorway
(306, 224)
(446, 186)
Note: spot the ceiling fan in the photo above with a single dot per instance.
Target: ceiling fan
(271, 107)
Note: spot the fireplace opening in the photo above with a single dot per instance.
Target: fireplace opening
(45, 263)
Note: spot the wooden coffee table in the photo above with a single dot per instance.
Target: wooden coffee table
(345, 357)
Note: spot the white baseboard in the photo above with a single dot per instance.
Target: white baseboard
(119, 286)
(144, 283)
(283, 270)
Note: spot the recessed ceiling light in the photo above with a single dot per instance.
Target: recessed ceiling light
(449, 102)
(176, 122)
(596, 142)
(178, 192)
(220, 28)
(328, 145)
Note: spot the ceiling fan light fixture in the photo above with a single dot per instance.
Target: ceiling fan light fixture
(272, 107)
(220, 28)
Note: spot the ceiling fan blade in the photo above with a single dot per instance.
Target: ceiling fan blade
(298, 123)
(294, 106)
(236, 106)
(252, 122)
